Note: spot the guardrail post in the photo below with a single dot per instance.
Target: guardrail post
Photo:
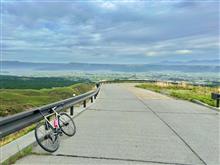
(84, 103)
(92, 99)
(71, 110)
(217, 103)
(216, 96)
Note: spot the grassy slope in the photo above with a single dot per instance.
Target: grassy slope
(17, 100)
(186, 92)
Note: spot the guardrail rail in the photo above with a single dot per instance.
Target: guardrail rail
(14, 123)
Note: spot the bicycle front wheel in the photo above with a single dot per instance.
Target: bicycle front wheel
(46, 137)
(66, 124)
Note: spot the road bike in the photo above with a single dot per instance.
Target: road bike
(48, 132)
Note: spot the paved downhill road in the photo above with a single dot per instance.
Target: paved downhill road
(128, 125)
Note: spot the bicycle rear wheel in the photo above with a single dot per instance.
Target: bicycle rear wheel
(46, 137)
(66, 124)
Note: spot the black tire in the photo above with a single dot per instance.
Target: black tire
(46, 137)
(66, 124)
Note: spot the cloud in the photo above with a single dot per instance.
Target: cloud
(107, 5)
(151, 53)
(183, 51)
(109, 31)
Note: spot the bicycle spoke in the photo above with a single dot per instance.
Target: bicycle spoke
(46, 139)
(66, 124)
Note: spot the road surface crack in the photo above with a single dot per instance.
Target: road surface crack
(119, 159)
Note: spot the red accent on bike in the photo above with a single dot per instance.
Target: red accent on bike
(55, 123)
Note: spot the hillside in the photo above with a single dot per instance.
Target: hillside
(15, 97)
(22, 82)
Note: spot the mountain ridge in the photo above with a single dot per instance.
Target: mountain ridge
(18, 65)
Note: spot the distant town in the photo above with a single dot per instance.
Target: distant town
(192, 72)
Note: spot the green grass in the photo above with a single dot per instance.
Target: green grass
(17, 82)
(17, 100)
(186, 92)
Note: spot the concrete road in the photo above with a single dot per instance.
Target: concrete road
(128, 125)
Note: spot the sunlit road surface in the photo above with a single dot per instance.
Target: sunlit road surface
(128, 125)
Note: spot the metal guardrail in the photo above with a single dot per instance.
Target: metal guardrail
(14, 123)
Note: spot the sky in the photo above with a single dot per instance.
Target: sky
(109, 31)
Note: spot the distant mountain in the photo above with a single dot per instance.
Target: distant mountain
(166, 66)
(192, 62)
